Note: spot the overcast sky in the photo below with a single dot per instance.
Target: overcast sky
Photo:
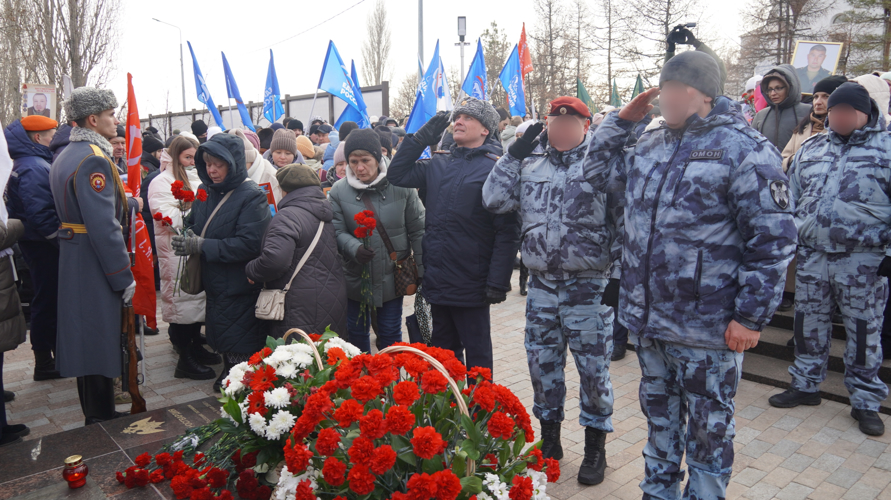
(246, 30)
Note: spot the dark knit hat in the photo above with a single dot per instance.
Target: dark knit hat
(696, 69)
(122, 132)
(481, 110)
(852, 94)
(386, 139)
(199, 127)
(829, 84)
(295, 176)
(346, 128)
(265, 136)
(86, 101)
(277, 126)
(295, 125)
(284, 139)
(363, 139)
(150, 144)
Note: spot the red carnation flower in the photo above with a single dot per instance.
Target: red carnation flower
(327, 442)
(361, 451)
(553, 470)
(521, 489)
(304, 491)
(477, 373)
(143, 460)
(448, 486)
(366, 388)
(168, 221)
(399, 420)
(349, 412)
(421, 486)
(297, 457)
(334, 471)
(157, 216)
(361, 232)
(427, 443)
(405, 393)
(501, 426)
(156, 476)
(372, 425)
(484, 396)
(201, 195)
(188, 196)
(433, 382)
(217, 478)
(383, 460)
(361, 481)
(367, 213)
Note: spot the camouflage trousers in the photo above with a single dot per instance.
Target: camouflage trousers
(561, 314)
(849, 281)
(687, 395)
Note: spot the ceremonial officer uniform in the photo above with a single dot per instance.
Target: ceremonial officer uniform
(707, 238)
(842, 190)
(569, 230)
(94, 266)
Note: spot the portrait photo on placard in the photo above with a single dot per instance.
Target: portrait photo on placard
(814, 61)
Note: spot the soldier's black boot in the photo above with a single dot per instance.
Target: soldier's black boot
(96, 395)
(189, 367)
(45, 366)
(594, 464)
(790, 398)
(870, 423)
(550, 440)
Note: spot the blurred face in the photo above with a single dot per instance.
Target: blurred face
(678, 102)
(821, 99)
(503, 124)
(340, 169)
(385, 152)
(217, 169)
(565, 132)
(119, 145)
(777, 90)
(815, 59)
(364, 166)
(39, 102)
(282, 157)
(844, 119)
(320, 138)
(468, 132)
(298, 132)
(104, 124)
(187, 158)
(45, 137)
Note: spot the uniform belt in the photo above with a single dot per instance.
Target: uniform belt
(75, 228)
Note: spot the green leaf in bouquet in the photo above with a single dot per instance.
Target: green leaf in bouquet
(272, 343)
(472, 432)
(329, 333)
(459, 464)
(432, 465)
(504, 454)
(400, 443)
(226, 425)
(519, 467)
(472, 485)
(234, 410)
(519, 443)
(263, 456)
(470, 449)
(409, 458)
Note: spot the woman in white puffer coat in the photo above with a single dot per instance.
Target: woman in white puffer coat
(184, 312)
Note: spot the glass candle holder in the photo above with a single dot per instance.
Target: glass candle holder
(75, 471)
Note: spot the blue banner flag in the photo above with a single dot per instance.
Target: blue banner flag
(336, 80)
(366, 122)
(272, 103)
(512, 81)
(203, 93)
(476, 84)
(232, 89)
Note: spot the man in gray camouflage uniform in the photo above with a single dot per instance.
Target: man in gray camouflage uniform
(569, 247)
(841, 184)
(707, 237)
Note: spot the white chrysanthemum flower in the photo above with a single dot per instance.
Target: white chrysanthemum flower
(539, 484)
(281, 423)
(277, 398)
(499, 489)
(257, 423)
(232, 383)
(349, 349)
(303, 360)
(286, 371)
(279, 356)
(287, 483)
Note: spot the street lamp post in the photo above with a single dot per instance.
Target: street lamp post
(182, 71)
(462, 32)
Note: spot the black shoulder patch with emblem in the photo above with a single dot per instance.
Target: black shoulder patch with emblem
(779, 191)
(492, 157)
(706, 154)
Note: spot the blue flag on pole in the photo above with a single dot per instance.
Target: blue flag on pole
(232, 89)
(366, 122)
(272, 104)
(431, 85)
(203, 93)
(512, 81)
(476, 84)
(336, 80)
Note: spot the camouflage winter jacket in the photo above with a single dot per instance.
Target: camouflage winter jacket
(842, 190)
(708, 225)
(569, 228)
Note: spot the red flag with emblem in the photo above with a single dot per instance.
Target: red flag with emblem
(144, 300)
(525, 56)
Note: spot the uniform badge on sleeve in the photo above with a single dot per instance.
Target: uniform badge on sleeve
(97, 182)
(780, 194)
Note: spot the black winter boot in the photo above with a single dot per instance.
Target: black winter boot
(594, 463)
(189, 367)
(550, 440)
(45, 366)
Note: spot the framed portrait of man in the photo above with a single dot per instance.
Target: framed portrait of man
(814, 61)
(39, 100)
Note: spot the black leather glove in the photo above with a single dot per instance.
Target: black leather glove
(495, 296)
(885, 268)
(523, 147)
(611, 294)
(364, 255)
(686, 37)
(431, 132)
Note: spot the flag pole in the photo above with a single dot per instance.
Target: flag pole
(313, 108)
(231, 116)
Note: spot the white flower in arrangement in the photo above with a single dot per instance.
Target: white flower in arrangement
(498, 489)
(232, 383)
(539, 484)
(299, 354)
(287, 483)
(281, 423)
(257, 423)
(278, 357)
(277, 398)
(349, 349)
(286, 370)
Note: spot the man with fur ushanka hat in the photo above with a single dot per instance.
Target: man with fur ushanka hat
(708, 236)
(471, 251)
(94, 267)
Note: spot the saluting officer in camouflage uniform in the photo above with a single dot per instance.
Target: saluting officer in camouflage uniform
(570, 229)
(708, 235)
(841, 184)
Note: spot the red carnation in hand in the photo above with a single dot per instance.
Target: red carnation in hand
(188, 196)
(368, 213)
(327, 442)
(361, 232)
(157, 216)
(427, 443)
(334, 471)
(168, 221)
(201, 195)
(399, 420)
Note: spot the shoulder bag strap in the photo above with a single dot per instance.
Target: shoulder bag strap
(217, 208)
(312, 246)
(380, 227)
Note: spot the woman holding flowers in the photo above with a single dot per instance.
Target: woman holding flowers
(184, 312)
(368, 267)
(231, 240)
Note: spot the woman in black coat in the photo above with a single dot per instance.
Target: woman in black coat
(232, 239)
(317, 298)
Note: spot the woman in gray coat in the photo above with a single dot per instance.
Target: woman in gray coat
(12, 320)
(401, 213)
(317, 297)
